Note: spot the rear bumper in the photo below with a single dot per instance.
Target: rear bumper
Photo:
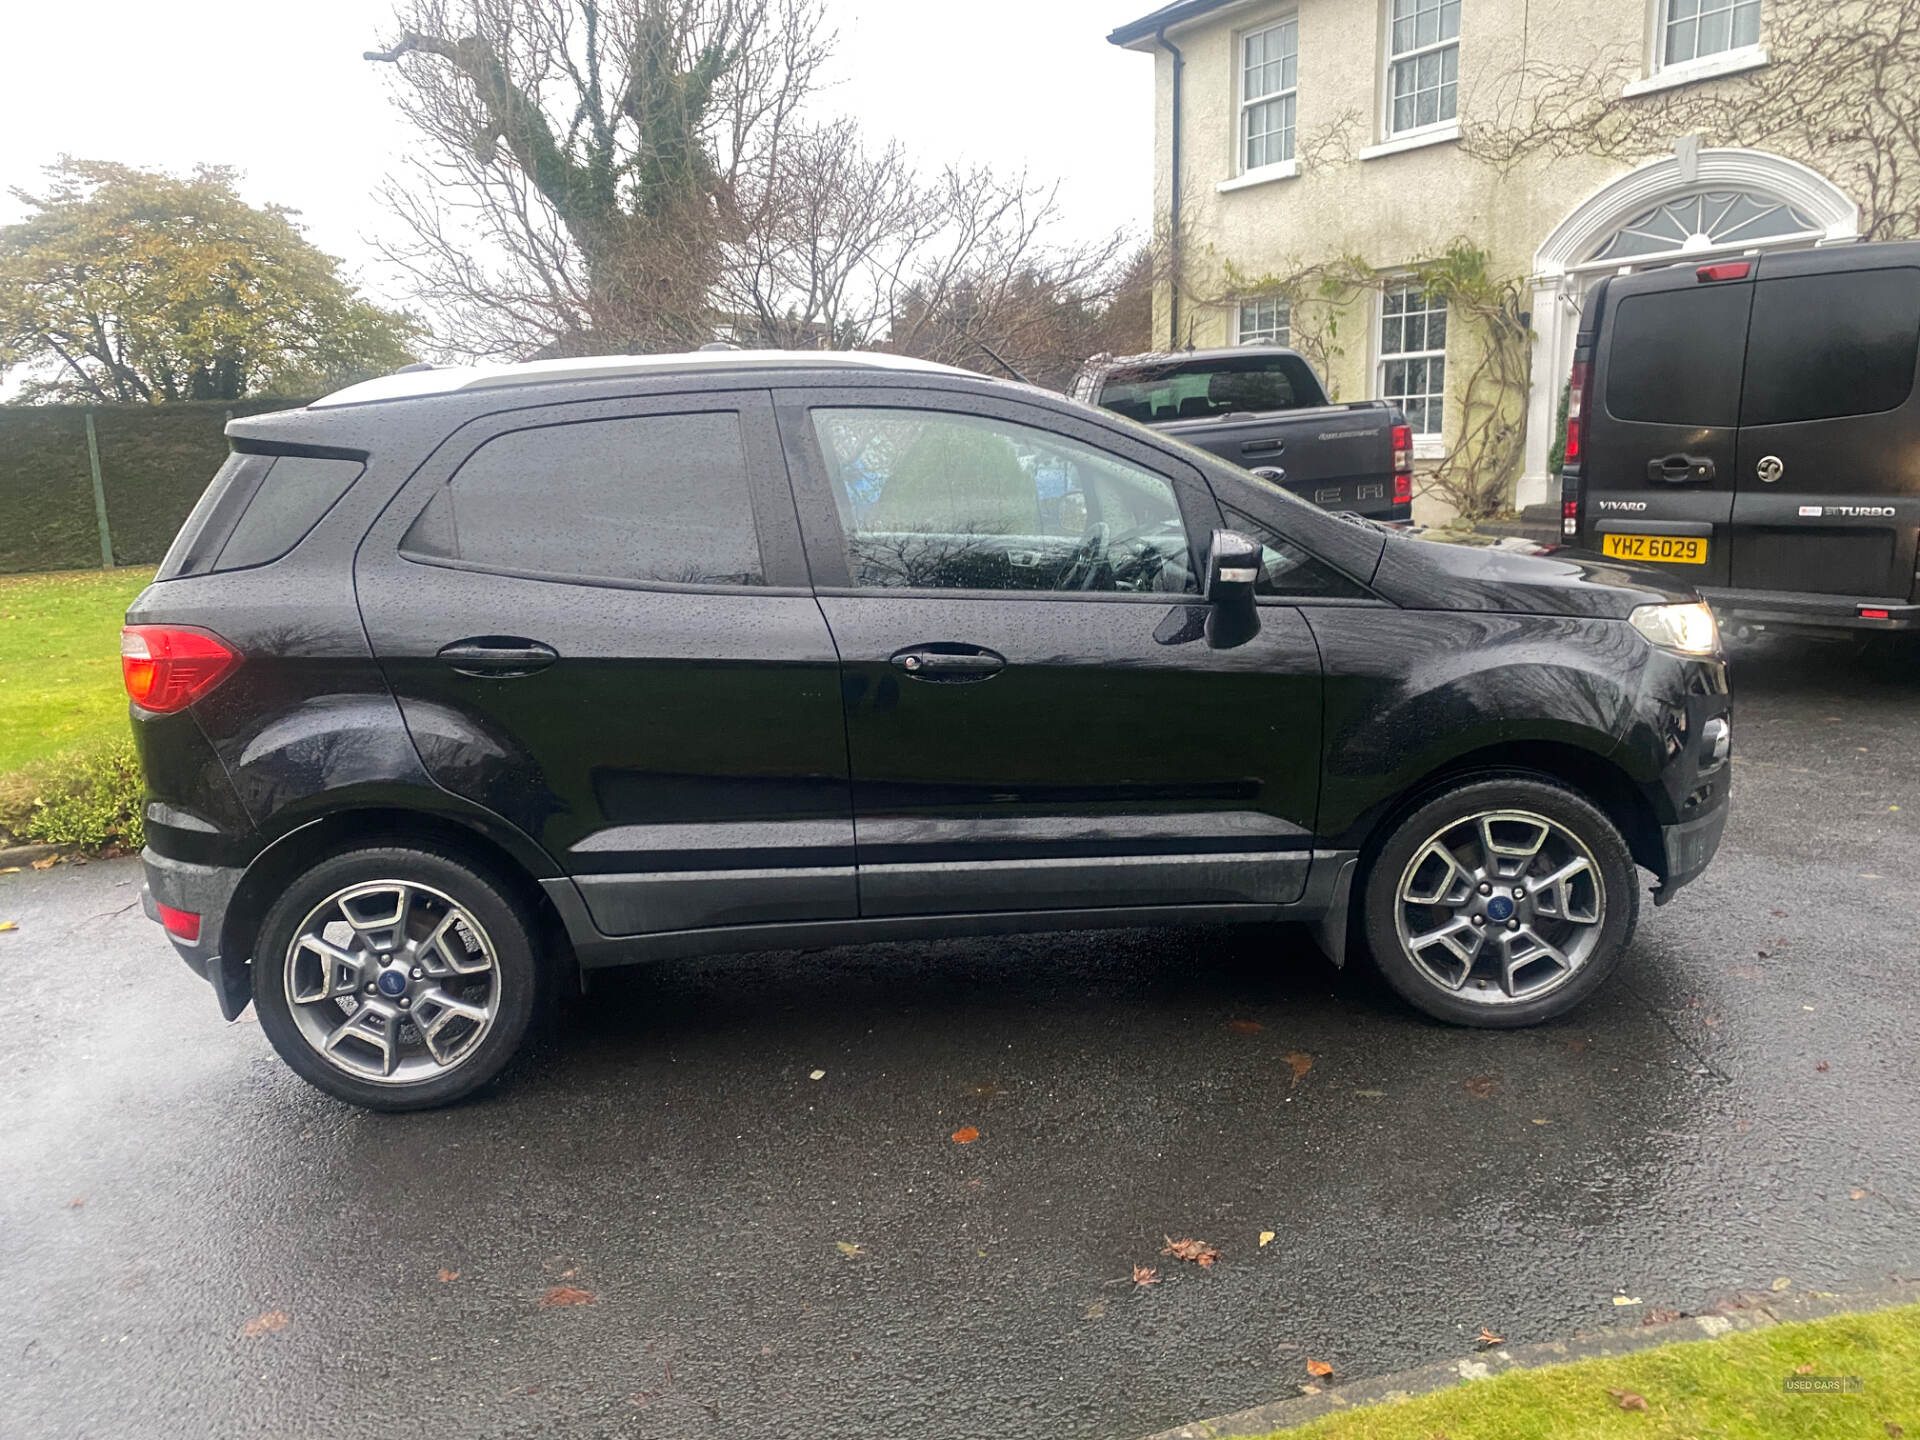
(206, 891)
(1797, 610)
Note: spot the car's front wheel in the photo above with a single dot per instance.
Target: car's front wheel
(395, 977)
(1502, 902)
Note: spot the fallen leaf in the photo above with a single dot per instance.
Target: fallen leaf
(1627, 1400)
(1371, 1094)
(565, 1295)
(10, 870)
(449, 1276)
(1487, 1339)
(76, 1202)
(1196, 1252)
(1309, 1389)
(1144, 1275)
(1894, 1432)
(1094, 1311)
(1823, 1067)
(965, 1135)
(1626, 1299)
(1856, 1194)
(1658, 1316)
(1782, 1283)
(1481, 1087)
(1541, 1120)
(1576, 1046)
(267, 1324)
(52, 860)
(1319, 1369)
(1710, 1022)
(6, 925)
(1300, 1063)
(849, 1250)
(985, 1091)
(1806, 1369)
(1247, 1026)
(818, 1075)
(1266, 1238)
(1780, 914)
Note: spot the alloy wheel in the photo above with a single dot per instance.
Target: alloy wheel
(1500, 907)
(392, 981)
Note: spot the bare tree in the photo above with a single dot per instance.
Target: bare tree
(586, 159)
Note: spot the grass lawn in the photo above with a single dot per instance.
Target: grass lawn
(1727, 1389)
(60, 661)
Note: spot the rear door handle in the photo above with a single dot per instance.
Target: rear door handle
(949, 664)
(1263, 447)
(1681, 469)
(498, 657)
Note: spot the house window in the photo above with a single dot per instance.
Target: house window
(1269, 77)
(1413, 356)
(1265, 322)
(1423, 63)
(1695, 29)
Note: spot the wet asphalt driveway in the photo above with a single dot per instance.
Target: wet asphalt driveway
(193, 1242)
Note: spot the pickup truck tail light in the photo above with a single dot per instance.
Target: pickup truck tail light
(168, 667)
(1403, 464)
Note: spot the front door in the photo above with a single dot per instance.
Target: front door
(596, 620)
(1660, 467)
(1829, 497)
(1035, 719)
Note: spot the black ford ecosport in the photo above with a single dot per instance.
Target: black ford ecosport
(461, 683)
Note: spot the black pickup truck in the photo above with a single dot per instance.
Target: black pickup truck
(1263, 408)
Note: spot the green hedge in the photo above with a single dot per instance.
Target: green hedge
(154, 462)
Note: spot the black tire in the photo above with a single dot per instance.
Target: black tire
(1460, 802)
(515, 975)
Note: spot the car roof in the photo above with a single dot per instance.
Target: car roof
(414, 383)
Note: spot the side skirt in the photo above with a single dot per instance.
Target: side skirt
(1322, 906)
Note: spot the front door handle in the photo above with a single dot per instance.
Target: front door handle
(948, 664)
(1263, 447)
(498, 657)
(1681, 469)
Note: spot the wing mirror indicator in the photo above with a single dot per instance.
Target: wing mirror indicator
(1233, 572)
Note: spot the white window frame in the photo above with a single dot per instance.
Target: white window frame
(1446, 128)
(1264, 334)
(1660, 75)
(1427, 444)
(1244, 103)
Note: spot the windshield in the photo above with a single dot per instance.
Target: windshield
(1199, 389)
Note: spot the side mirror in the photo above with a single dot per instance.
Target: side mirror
(1233, 568)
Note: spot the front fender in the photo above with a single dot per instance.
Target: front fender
(1409, 693)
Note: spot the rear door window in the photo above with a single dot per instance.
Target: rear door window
(1676, 356)
(660, 499)
(1825, 346)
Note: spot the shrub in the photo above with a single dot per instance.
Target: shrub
(88, 798)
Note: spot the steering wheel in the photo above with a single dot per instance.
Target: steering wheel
(1089, 559)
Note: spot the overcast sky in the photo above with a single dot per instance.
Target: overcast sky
(279, 90)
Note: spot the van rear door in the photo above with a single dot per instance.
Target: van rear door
(1829, 482)
(1659, 463)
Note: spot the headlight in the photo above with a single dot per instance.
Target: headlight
(1686, 628)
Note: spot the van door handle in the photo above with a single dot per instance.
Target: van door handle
(1681, 469)
(1263, 447)
(949, 664)
(498, 657)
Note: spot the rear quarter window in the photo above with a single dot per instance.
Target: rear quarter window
(289, 502)
(1824, 346)
(1676, 356)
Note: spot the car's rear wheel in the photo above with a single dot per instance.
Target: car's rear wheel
(396, 977)
(1501, 902)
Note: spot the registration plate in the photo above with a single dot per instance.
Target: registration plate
(1673, 549)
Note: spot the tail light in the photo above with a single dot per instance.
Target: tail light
(1403, 464)
(1576, 406)
(168, 667)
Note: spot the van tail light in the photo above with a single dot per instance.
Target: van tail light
(1403, 464)
(168, 667)
(1576, 408)
(1725, 270)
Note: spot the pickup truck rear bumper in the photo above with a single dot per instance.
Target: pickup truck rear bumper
(1799, 610)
